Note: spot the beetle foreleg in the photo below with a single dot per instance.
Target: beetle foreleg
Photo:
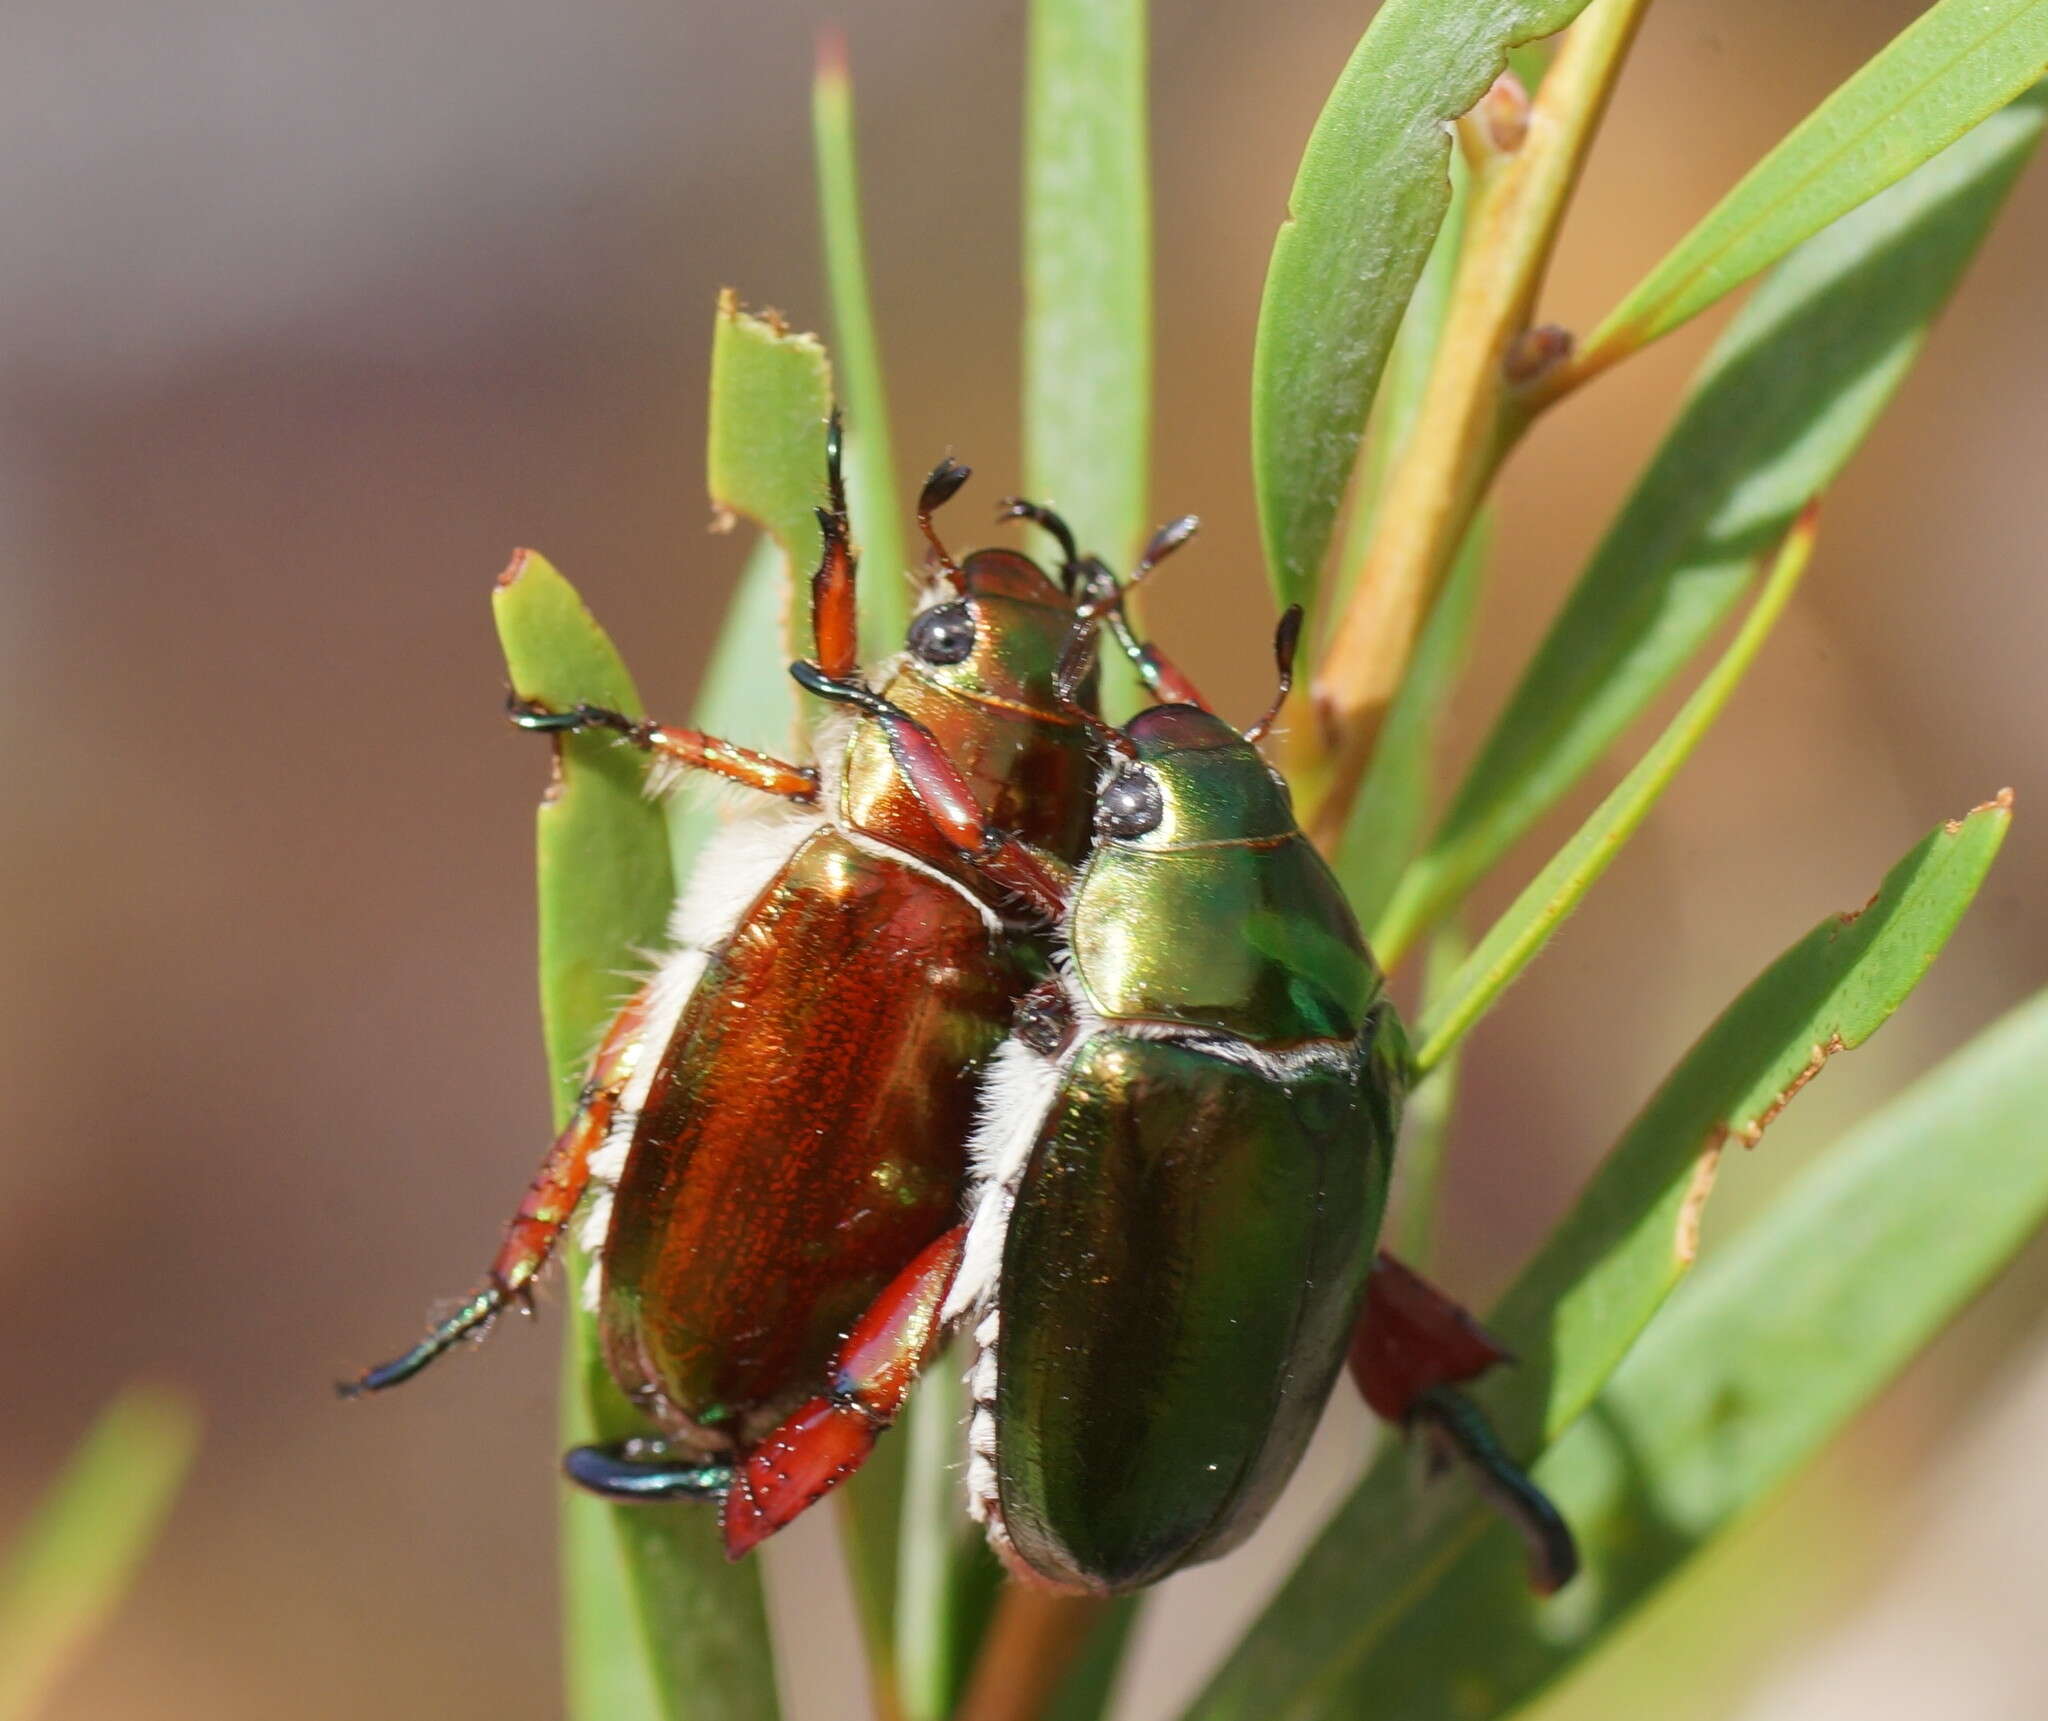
(825, 1440)
(549, 1202)
(678, 749)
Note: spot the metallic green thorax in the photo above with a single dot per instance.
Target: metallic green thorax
(1224, 916)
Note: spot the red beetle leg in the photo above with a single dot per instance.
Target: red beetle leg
(550, 1201)
(1413, 1337)
(677, 750)
(826, 1439)
(835, 619)
(1413, 1347)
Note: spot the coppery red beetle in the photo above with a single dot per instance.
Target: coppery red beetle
(777, 1121)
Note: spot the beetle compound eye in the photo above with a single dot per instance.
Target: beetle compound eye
(1130, 806)
(944, 634)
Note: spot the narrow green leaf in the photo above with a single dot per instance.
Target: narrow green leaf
(771, 394)
(876, 505)
(602, 849)
(660, 1626)
(1404, 382)
(1088, 270)
(947, 1578)
(1512, 942)
(1426, 1125)
(79, 1553)
(1594, 1286)
(1367, 202)
(1956, 63)
(1785, 1335)
(1787, 396)
(1580, 1303)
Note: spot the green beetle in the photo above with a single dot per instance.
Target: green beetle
(1179, 1173)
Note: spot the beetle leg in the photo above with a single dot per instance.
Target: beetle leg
(678, 749)
(824, 1441)
(1457, 1430)
(1414, 1345)
(947, 797)
(550, 1201)
(645, 1472)
(1413, 1337)
(835, 619)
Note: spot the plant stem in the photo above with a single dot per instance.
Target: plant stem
(1036, 1635)
(1468, 421)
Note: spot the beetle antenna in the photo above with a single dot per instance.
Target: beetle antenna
(1016, 508)
(1076, 659)
(1286, 637)
(939, 489)
(1164, 542)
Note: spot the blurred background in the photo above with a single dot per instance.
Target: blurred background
(309, 312)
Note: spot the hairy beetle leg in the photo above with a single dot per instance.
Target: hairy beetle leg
(825, 1440)
(549, 1202)
(679, 749)
(1414, 1345)
(644, 1472)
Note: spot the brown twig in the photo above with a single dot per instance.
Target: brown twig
(1472, 412)
(1032, 1642)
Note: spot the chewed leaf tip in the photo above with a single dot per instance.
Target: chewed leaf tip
(510, 574)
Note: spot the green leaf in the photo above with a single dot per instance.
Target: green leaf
(1512, 942)
(1088, 270)
(1406, 379)
(1784, 1336)
(1593, 1287)
(1956, 63)
(947, 1579)
(1367, 202)
(1787, 396)
(78, 1555)
(1426, 1123)
(660, 1627)
(771, 395)
(870, 466)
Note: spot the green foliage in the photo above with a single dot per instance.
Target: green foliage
(771, 394)
(948, 1578)
(1592, 1288)
(659, 1626)
(1958, 62)
(1787, 396)
(1367, 202)
(1512, 942)
(873, 499)
(80, 1551)
(1784, 1336)
(1088, 270)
